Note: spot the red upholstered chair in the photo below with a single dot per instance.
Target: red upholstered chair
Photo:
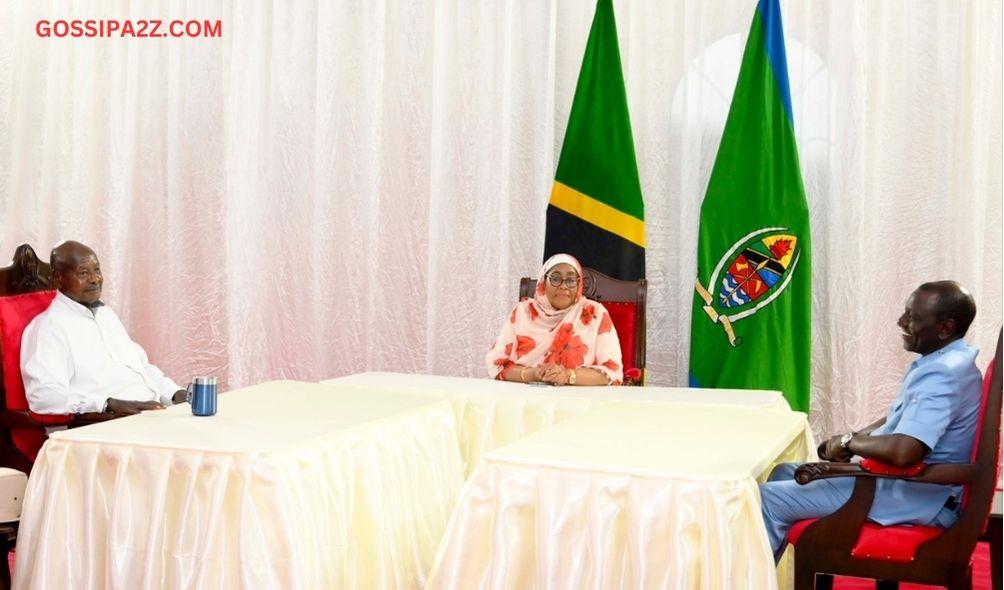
(625, 301)
(25, 292)
(845, 543)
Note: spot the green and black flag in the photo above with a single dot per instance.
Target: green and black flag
(596, 211)
(751, 322)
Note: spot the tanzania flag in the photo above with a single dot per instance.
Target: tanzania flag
(596, 212)
(751, 322)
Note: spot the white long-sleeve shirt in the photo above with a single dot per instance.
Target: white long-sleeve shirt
(73, 359)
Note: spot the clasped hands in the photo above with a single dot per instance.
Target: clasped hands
(548, 373)
(123, 407)
(832, 451)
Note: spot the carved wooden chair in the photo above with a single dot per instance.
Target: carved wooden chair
(25, 292)
(845, 543)
(625, 301)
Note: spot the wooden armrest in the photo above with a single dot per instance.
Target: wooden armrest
(92, 418)
(24, 419)
(936, 473)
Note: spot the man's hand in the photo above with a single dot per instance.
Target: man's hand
(832, 451)
(126, 408)
(180, 396)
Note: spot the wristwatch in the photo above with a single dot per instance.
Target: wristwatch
(846, 439)
(571, 376)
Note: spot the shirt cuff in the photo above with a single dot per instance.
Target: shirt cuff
(168, 389)
(88, 405)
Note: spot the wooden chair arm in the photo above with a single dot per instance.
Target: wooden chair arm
(936, 473)
(92, 418)
(23, 419)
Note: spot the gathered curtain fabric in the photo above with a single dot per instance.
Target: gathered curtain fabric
(333, 187)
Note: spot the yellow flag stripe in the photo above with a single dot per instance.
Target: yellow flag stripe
(599, 214)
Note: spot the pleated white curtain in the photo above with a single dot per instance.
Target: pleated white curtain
(340, 186)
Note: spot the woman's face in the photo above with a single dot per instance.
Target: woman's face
(563, 295)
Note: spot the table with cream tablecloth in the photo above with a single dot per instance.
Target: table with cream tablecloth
(291, 485)
(491, 414)
(627, 495)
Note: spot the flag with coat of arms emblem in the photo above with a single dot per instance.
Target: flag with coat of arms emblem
(751, 320)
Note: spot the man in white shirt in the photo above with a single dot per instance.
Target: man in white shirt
(76, 356)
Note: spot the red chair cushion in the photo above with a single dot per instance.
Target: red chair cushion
(16, 312)
(625, 318)
(873, 466)
(889, 543)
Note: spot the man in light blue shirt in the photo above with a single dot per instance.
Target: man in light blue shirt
(933, 419)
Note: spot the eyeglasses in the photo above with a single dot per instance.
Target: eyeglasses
(556, 281)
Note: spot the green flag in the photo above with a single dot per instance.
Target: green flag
(751, 322)
(596, 211)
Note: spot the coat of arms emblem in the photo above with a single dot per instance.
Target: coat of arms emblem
(759, 268)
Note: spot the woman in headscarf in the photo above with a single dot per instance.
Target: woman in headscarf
(558, 336)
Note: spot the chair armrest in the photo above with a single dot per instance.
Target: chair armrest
(25, 419)
(632, 376)
(92, 418)
(936, 473)
(838, 533)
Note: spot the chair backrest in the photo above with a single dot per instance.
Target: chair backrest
(980, 493)
(25, 292)
(986, 448)
(624, 300)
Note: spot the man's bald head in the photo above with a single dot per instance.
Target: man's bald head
(77, 272)
(953, 301)
(69, 254)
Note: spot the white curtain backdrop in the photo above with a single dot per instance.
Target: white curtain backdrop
(341, 186)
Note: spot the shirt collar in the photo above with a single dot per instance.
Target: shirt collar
(932, 356)
(77, 308)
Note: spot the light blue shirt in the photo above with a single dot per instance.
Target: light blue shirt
(938, 405)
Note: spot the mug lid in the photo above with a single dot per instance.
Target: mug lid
(204, 380)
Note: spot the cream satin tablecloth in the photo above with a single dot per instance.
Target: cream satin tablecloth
(291, 485)
(491, 414)
(626, 496)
